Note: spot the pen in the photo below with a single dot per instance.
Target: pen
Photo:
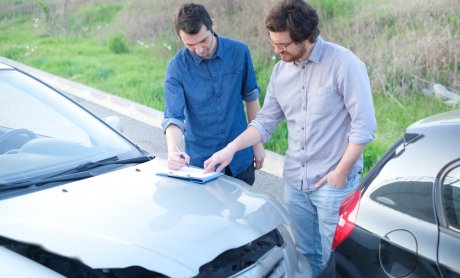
(181, 155)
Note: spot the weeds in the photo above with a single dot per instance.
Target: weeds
(117, 44)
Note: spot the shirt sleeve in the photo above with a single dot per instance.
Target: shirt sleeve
(174, 100)
(358, 100)
(271, 113)
(251, 90)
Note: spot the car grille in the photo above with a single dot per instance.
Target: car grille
(236, 262)
(263, 257)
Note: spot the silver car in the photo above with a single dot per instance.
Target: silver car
(78, 199)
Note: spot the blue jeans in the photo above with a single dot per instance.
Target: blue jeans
(314, 216)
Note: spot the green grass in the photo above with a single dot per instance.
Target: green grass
(105, 45)
(91, 16)
(137, 75)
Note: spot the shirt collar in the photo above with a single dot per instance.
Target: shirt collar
(218, 53)
(315, 54)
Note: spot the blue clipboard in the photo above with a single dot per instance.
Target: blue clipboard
(191, 174)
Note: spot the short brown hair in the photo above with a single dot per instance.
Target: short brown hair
(190, 17)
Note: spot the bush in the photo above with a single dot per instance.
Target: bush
(117, 44)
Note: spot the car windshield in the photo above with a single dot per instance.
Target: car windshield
(42, 132)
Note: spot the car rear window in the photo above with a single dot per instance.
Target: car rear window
(411, 197)
(451, 198)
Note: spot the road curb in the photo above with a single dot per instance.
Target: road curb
(273, 163)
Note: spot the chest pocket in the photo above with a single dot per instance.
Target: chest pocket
(231, 80)
(322, 100)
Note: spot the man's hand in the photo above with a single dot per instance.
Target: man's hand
(338, 176)
(175, 138)
(176, 161)
(334, 178)
(259, 156)
(221, 158)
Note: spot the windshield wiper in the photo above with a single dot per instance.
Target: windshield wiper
(111, 161)
(37, 182)
(77, 173)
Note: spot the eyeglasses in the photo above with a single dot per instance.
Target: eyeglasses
(280, 45)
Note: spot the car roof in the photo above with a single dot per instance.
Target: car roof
(436, 141)
(447, 118)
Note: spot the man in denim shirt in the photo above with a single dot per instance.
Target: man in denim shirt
(206, 83)
(323, 91)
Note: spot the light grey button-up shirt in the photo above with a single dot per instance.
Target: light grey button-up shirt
(327, 102)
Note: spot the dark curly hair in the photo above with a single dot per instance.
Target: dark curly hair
(295, 16)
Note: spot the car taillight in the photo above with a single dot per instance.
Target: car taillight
(348, 212)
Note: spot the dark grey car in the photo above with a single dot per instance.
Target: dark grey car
(408, 222)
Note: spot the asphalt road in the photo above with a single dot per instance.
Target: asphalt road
(153, 140)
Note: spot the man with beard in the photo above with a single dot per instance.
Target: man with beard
(323, 91)
(205, 86)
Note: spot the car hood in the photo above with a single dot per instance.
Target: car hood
(132, 217)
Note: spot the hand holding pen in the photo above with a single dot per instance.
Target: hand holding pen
(181, 154)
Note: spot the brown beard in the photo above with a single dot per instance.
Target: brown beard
(293, 56)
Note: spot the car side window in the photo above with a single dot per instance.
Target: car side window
(411, 197)
(451, 197)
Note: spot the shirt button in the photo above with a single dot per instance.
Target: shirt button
(303, 128)
(303, 87)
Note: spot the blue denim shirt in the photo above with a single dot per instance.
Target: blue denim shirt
(204, 98)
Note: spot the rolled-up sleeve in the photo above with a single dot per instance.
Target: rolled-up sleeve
(252, 95)
(251, 90)
(174, 99)
(168, 121)
(358, 99)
